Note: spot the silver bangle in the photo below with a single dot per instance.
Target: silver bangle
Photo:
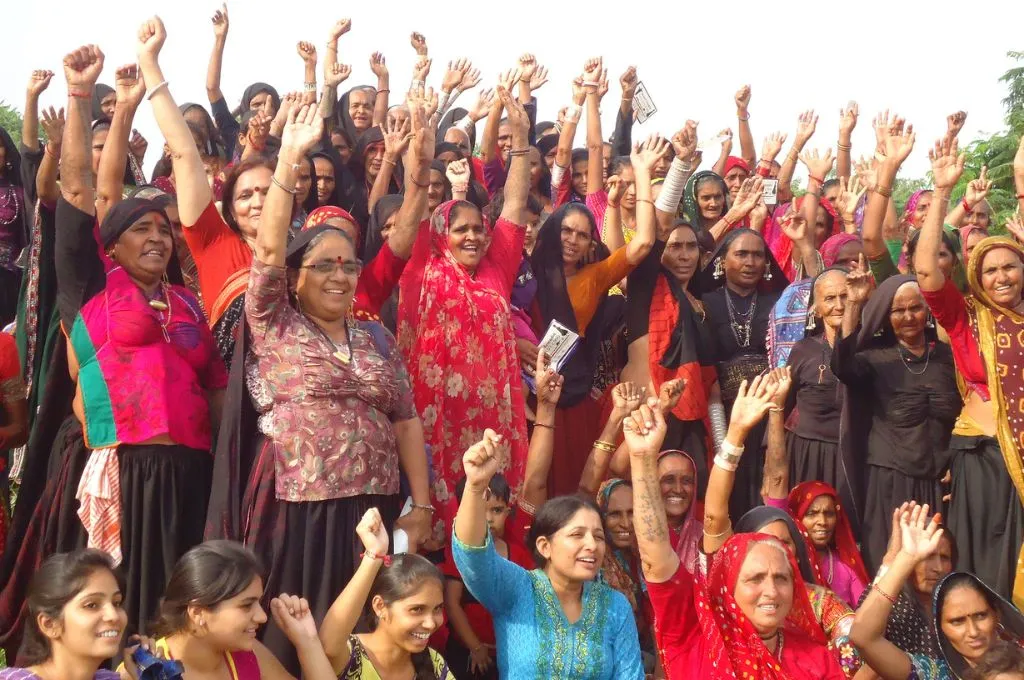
(730, 451)
(716, 414)
(725, 464)
(156, 88)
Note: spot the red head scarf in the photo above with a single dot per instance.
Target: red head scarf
(833, 244)
(735, 162)
(729, 637)
(800, 499)
(326, 212)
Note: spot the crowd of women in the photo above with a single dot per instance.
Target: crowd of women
(306, 369)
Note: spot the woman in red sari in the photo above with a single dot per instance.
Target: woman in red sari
(455, 331)
(750, 618)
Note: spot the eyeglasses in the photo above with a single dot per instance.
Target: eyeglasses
(348, 267)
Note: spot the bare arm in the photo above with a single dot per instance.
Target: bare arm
(645, 431)
(719, 167)
(480, 463)
(194, 193)
(595, 144)
(380, 102)
(847, 122)
(307, 51)
(81, 68)
(213, 70)
(417, 176)
(517, 183)
(563, 153)
(37, 84)
(806, 125)
(489, 140)
(46, 177)
(396, 140)
(947, 166)
(775, 481)
(747, 152)
(896, 144)
(643, 160)
(110, 175)
(626, 397)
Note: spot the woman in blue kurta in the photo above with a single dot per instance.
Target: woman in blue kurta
(556, 621)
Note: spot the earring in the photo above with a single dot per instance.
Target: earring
(767, 274)
(930, 323)
(719, 269)
(812, 321)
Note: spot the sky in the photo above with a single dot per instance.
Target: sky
(924, 60)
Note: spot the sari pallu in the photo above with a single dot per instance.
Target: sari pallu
(455, 332)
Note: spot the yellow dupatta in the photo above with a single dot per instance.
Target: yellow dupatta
(987, 313)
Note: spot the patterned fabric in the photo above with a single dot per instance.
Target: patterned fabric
(127, 354)
(999, 335)
(25, 674)
(728, 636)
(566, 643)
(833, 244)
(687, 541)
(836, 619)
(99, 492)
(360, 667)
(455, 334)
(780, 244)
(333, 409)
(31, 317)
(226, 328)
(800, 499)
(928, 668)
(620, 569)
(787, 324)
(241, 665)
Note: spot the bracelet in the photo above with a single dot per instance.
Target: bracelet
(416, 84)
(730, 451)
(877, 589)
(80, 95)
(727, 530)
(283, 187)
(602, 445)
(519, 152)
(309, 87)
(386, 559)
(428, 508)
(883, 191)
(550, 427)
(739, 117)
(844, 147)
(573, 113)
(155, 89)
(776, 409)
(967, 206)
(421, 185)
(388, 161)
(52, 154)
(725, 464)
(816, 179)
(384, 90)
(645, 200)
(1020, 197)
(460, 188)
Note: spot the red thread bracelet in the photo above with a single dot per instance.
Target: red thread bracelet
(874, 587)
(967, 206)
(816, 179)
(386, 559)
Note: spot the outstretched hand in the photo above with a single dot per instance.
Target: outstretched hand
(303, 130)
(919, 536)
(752, 402)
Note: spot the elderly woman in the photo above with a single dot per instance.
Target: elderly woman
(751, 611)
(969, 618)
(900, 404)
(985, 511)
(556, 621)
(320, 379)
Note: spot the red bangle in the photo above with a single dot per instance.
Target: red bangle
(874, 587)
(80, 95)
(386, 559)
(967, 206)
(816, 179)
(1020, 197)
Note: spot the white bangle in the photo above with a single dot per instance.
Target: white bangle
(573, 113)
(418, 84)
(725, 464)
(460, 188)
(730, 450)
(309, 87)
(672, 189)
(156, 88)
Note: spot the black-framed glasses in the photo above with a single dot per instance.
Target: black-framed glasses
(348, 267)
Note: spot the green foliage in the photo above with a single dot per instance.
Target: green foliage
(10, 120)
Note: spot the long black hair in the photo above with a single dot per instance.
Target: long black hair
(554, 515)
(57, 581)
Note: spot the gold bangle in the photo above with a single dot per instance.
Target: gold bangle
(727, 530)
(607, 447)
(843, 147)
(883, 191)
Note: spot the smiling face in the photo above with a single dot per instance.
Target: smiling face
(575, 552)
(830, 298)
(410, 621)
(745, 261)
(231, 625)
(710, 199)
(324, 170)
(618, 517)
(247, 200)
(908, 313)
(764, 587)
(820, 521)
(969, 622)
(327, 295)
(467, 236)
(575, 237)
(921, 209)
(144, 249)
(677, 479)
(504, 137)
(1001, 276)
(930, 571)
(360, 109)
(682, 254)
(92, 623)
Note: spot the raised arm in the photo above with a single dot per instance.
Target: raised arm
(194, 193)
(37, 84)
(344, 614)
(622, 140)
(746, 200)
(626, 398)
(775, 481)
(977, 191)
(805, 127)
(335, 73)
(307, 52)
(417, 177)
(595, 81)
(644, 158)
(489, 139)
(517, 182)
(220, 40)
(847, 122)
(81, 69)
(380, 102)
(644, 431)
(480, 463)
(563, 152)
(751, 404)
(542, 441)
(920, 540)
(301, 133)
(747, 152)
(46, 178)
(129, 86)
(687, 158)
(396, 141)
(947, 166)
(895, 145)
(723, 155)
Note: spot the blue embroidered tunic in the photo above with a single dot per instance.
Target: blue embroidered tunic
(534, 638)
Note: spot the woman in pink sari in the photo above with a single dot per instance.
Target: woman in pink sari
(454, 328)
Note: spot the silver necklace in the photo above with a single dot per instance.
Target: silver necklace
(739, 323)
(927, 358)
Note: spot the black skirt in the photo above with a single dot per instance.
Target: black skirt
(307, 548)
(164, 492)
(886, 490)
(812, 460)
(985, 513)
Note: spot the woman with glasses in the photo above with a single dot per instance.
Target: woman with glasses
(335, 409)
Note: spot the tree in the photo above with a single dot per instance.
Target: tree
(10, 120)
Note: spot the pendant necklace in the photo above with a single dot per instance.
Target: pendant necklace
(740, 323)
(159, 306)
(927, 358)
(823, 366)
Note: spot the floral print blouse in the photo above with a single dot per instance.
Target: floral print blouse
(328, 414)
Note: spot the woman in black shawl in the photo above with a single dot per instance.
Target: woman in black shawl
(900, 404)
(739, 288)
(13, 226)
(103, 98)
